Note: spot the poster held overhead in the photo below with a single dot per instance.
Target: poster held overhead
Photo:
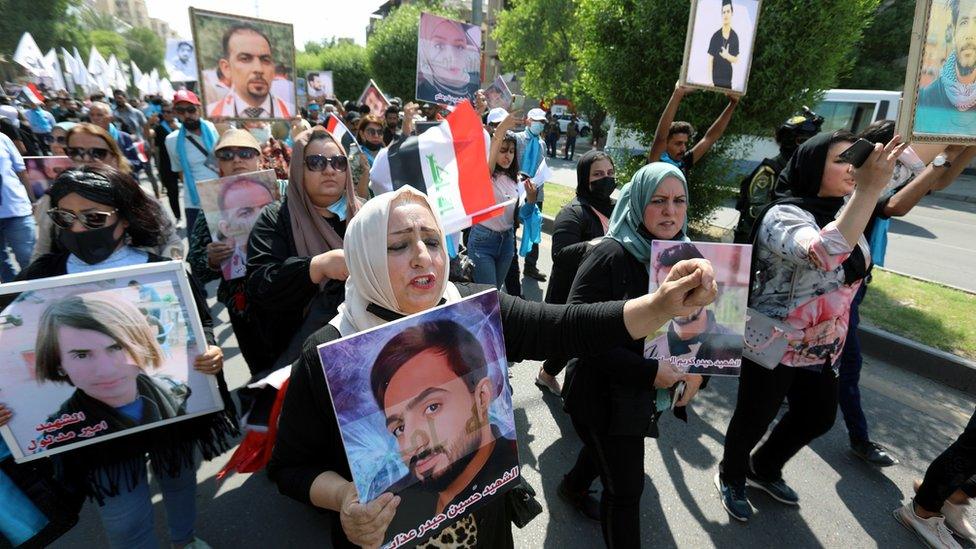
(374, 98)
(180, 60)
(448, 60)
(710, 341)
(439, 376)
(498, 94)
(134, 334)
(939, 101)
(319, 84)
(719, 45)
(246, 66)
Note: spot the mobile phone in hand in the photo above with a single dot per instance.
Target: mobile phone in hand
(857, 153)
(518, 102)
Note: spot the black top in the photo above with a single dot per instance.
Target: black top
(576, 225)
(614, 390)
(279, 289)
(166, 172)
(105, 468)
(308, 441)
(722, 69)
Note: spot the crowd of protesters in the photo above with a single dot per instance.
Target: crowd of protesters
(333, 258)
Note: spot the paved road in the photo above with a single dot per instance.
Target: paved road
(844, 503)
(935, 241)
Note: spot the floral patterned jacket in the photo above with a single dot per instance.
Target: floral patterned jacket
(800, 281)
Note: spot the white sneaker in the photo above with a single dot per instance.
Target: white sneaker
(931, 531)
(956, 520)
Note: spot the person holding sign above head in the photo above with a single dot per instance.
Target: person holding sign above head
(248, 61)
(673, 139)
(396, 251)
(948, 104)
(723, 50)
(615, 398)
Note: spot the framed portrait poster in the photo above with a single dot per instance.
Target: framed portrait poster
(43, 170)
(231, 205)
(423, 406)
(319, 84)
(709, 341)
(719, 45)
(180, 60)
(79, 352)
(939, 101)
(246, 66)
(448, 60)
(498, 94)
(375, 99)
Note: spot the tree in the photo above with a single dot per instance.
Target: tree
(346, 60)
(47, 21)
(882, 56)
(392, 49)
(145, 48)
(630, 53)
(109, 43)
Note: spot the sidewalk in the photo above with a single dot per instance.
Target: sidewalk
(963, 188)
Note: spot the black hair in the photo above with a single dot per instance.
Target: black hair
(184, 43)
(513, 170)
(393, 109)
(104, 184)
(880, 131)
(236, 28)
(841, 136)
(729, 4)
(671, 256)
(445, 337)
(681, 127)
(954, 8)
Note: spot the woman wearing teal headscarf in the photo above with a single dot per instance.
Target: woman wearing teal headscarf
(612, 398)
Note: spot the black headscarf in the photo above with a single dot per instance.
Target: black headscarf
(800, 181)
(583, 192)
(92, 185)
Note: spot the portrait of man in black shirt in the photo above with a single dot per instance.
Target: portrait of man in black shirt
(723, 50)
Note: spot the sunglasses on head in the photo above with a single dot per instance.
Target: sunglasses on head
(89, 220)
(318, 162)
(192, 109)
(80, 153)
(229, 153)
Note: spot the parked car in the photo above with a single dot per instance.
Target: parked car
(584, 126)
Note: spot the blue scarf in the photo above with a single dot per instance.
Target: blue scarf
(665, 157)
(209, 135)
(530, 156)
(167, 127)
(114, 132)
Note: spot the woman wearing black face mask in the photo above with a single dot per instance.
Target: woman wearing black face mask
(369, 138)
(104, 218)
(579, 222)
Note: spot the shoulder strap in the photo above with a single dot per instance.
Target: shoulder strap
(189, 137)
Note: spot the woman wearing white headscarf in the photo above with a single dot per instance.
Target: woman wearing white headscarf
(396, 255)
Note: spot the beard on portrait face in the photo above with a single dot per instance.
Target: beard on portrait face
(439, 482)
(685, 320)
(967, 67)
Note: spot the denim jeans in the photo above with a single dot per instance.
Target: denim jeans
(18, 234)
(492, 254)
(128, 517)
(849, 394)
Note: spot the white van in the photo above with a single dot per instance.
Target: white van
(853, 110)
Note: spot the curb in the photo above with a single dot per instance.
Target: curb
(945, 368)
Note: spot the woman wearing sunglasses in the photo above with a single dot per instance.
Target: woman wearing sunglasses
(90, 145)
(369, 135)
(105, 218)
(59, 138)
(295, 265)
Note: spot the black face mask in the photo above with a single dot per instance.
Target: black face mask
(371, 147)
(192, 124)
(92, 246)
(604, 186)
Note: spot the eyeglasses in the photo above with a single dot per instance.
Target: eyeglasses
(80, 153)
(89, 220)
(318, 162)
(192, 109)
(373, 132)
(229, 153)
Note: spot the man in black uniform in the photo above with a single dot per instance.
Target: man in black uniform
(758, 188)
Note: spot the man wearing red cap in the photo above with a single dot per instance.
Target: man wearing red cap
(190, 150)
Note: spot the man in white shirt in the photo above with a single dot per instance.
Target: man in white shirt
(191, 149)
(249, 64)
(18, 230)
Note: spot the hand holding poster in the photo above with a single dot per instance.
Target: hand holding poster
(448, 60)
(939, 103)
(710, 341)
(246, 66)
(43, 170)
(78, 352)
(425, 412)
(231, 205)
(181, 60)
(719, 44)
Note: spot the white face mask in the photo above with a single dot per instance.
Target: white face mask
(261, 134)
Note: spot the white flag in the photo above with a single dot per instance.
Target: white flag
(98, 70)
(166, 89)
(53, 66)
(112, 76)
(154, 82)
(29, 56)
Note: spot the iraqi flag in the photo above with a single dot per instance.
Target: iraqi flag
(449, 163)
(30, 94)
(340, 132)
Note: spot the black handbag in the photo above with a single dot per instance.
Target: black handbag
(521, 504)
